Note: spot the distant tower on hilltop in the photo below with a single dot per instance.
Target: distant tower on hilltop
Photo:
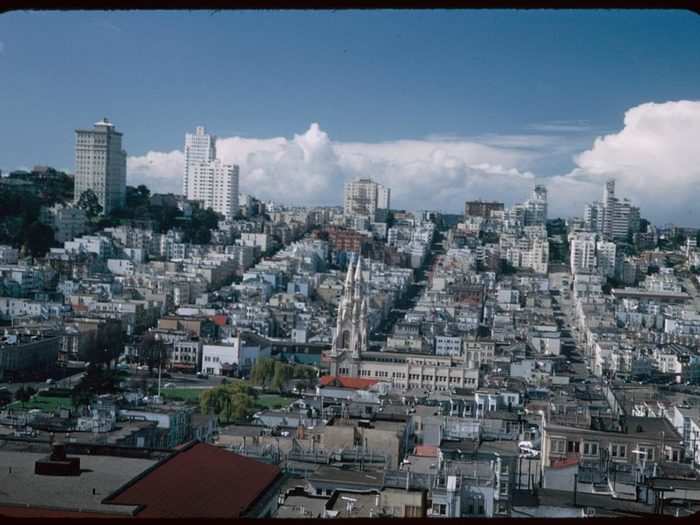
(100, 165)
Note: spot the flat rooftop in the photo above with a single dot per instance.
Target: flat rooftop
(99, 477)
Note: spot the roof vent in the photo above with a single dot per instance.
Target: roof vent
(57, 463)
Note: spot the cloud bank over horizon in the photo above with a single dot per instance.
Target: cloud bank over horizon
(654, 158)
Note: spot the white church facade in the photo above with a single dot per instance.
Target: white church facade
(350, 356)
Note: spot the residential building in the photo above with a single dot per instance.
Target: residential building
(200, 148)
(606, 258)
(100, 165)
(207, 179)
(22, 353)
(363, 197)
(613, 218)
(582, 253)
(482, 209)
(8, 254)
(67, 222)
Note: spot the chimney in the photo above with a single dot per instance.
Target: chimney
(57, 463)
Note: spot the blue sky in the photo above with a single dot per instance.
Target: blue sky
(363, 76)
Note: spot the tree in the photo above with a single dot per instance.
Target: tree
(229, 402)
(89, 202)
(152, 352)
(138, 196)
(198, 230)
(263, 371)
(21, 395)
(39, 238)
(96, 381)
(283, 373)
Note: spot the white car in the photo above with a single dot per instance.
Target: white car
(529, 452)
(169, 385)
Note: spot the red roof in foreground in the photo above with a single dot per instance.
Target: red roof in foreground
(9, 511)
(426, 451)
(357, 383)
(200, 480)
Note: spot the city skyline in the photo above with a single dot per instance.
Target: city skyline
(365, 264)
(434, 120)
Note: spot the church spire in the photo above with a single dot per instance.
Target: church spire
(358, 269)
(348, 282)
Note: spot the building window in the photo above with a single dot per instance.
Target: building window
(558, 446)
(618, 451)
(590, 448)
(646, 452)
(572, 447)
(413, 511)
(440, 509)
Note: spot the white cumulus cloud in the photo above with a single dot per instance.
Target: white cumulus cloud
(311, 169)
(161, 172)
(654, 158)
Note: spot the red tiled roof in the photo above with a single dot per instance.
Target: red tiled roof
(220, 319)
(202, 481)
(426, 451)
(357, 383)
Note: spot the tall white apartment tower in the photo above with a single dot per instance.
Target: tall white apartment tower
(100, 165)
(582, 254)
(200, 147)
(363, 197)
(206, 178)
(383, 197)
(536, 207)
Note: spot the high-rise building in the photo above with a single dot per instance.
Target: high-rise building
(615, 219)
(383, 197)
(200, 147)
(582, 252)
(100, 165)
(606, 258)
(363, 197)
(593, 216)
(481, 208)
(207, 179)
(536, 207)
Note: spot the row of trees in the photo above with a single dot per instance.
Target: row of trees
(24, 394)
(96, 381)
(19, 221)
(166, 215)
(273, 374)
(20, 207)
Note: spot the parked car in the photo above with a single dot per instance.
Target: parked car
(202, 375)
(169, 385)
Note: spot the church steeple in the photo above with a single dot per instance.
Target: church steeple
(348, 282)
(351, 325)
